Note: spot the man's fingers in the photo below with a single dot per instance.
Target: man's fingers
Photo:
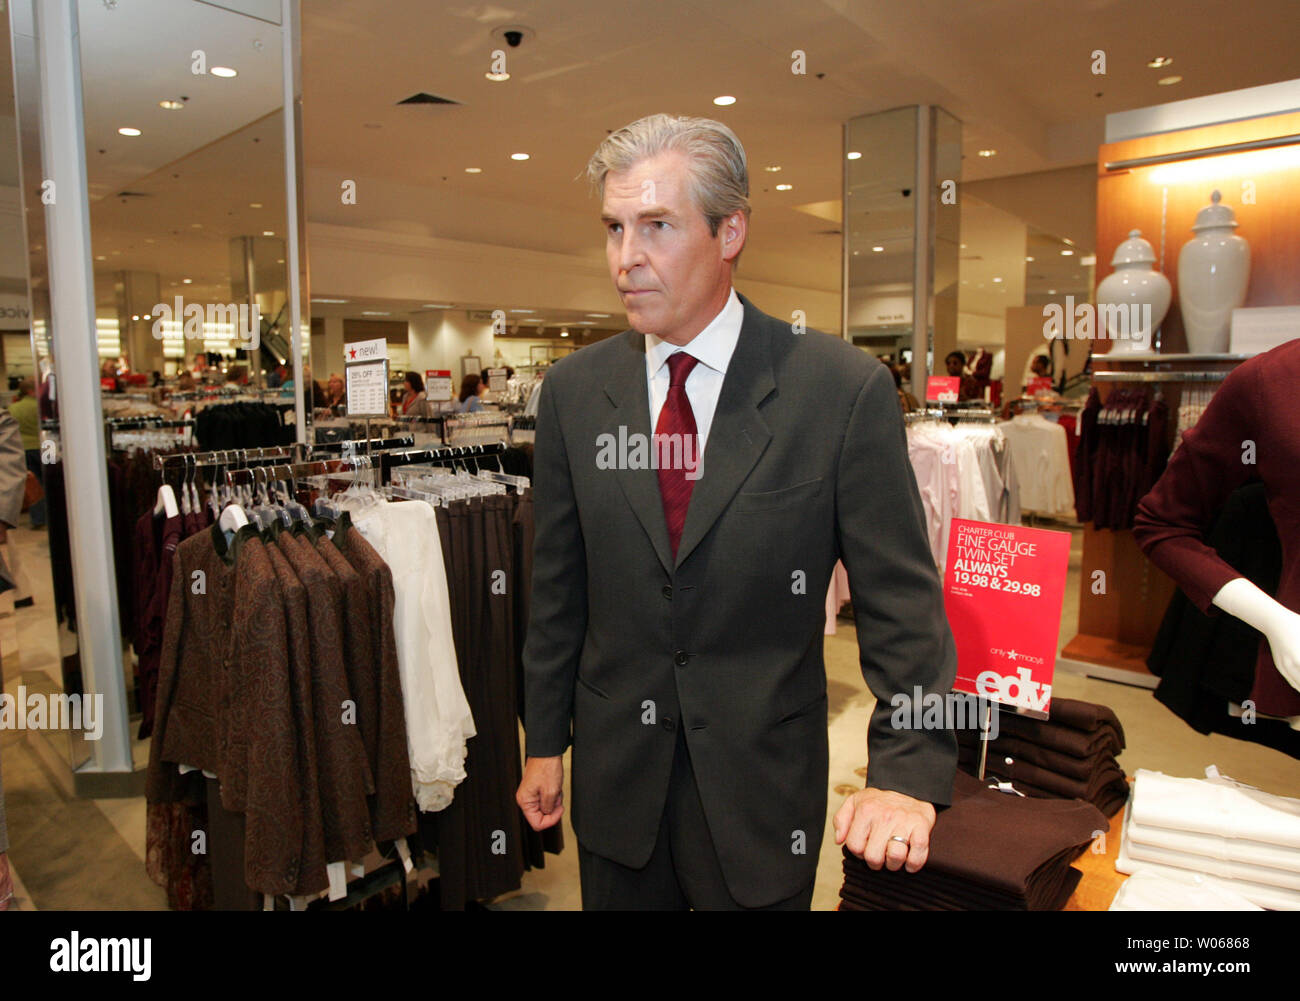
(843, 818)
(919, 851)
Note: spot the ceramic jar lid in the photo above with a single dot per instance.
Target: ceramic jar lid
(1134, 250)
(1215, 215)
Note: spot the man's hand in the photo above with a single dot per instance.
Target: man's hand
(541, 793)
(870, 818)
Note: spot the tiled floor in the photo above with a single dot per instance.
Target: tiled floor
(76, 854)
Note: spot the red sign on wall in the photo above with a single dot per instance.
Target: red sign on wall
(1003, 587)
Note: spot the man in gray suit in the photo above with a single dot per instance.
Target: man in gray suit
(680, 578)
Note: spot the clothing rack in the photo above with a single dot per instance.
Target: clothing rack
(1159, 376)
(364, 444)
(447, 453)
(224, 457)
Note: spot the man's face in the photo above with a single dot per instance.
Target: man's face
(672, 274)
(954, 366)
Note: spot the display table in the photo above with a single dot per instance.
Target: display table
(1100, 880)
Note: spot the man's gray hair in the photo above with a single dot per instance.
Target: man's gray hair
(719, 174)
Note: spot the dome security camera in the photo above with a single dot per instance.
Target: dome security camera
(514, 38)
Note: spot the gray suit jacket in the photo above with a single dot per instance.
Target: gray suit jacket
(806, 462)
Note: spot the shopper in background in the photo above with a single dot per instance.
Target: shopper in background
(955, 363)
(13, 485)
(26, 412)
(678, 611)
(413, 400)
(471, 388)
(336, 393)
(905, 399)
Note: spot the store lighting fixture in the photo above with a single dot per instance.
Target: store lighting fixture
(375, 312)
(279, 260)
(523, 311)
(774, 169)
(877, 250)
(724, 101)
(1051, 291)
(497, 77)
(196, 225)
(187, 281)
(988, 152)
(1247, 164)
(171, 105)
(101, 257)
(1160, 62)
(519, 156)
(135, 318)
(1029, 260)
(223, 71)
(126, 130)
(785, 187)
(1088, 261)
(1169, 81)
(996, 281)
(855, 155)
(268, 232)
(564, 333)
(1067, 253)
(436, 305)
(473, 170)
(254, 205)
(599, 316)
(329, 300)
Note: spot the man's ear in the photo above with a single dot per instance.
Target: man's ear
(733, 230)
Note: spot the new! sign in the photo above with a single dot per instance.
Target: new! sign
(359, 351)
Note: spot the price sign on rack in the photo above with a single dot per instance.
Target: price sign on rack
(1003, 589)
(942, 388)
(437, 384)
(366, 365)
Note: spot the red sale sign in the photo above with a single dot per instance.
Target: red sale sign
(942, 388)
(1003, 588)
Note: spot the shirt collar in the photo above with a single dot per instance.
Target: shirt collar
(713, 346)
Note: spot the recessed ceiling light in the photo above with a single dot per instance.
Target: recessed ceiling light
(268, 232)
(196, 225)
(1029, 259)
(996, 280)
(784, 187)
(878, 250)
(473, 170)
(135, 317)
(1051, 291)
(523, 311)
(187, 281)
(171, 105)
(963, 246)
(1088, 261)
(254, 205)
(564, 333)
(126, 130)
(519, 156)
(1067, 241)
(279, 260)
(1067, 253)
(497, 77)
(1166, 81)
(1159, 62)
(436, 305)
(375, 312)
(724, 100)
(988, 152)
(774, 169)
(224, 71)
(101, 257)
(599, 316)
(855, 155)
(329, 300)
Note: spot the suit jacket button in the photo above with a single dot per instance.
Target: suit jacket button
(668, 592)
(667, 723)
(681, 657)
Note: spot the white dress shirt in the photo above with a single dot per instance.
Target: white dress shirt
(713, 346)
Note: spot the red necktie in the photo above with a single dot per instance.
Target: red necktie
(677, 419)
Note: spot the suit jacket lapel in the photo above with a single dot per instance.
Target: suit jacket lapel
(738, 436)
(626, 389)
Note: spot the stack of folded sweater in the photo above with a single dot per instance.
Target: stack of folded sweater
(1227, 835)
(1070, 756)
(989, 850)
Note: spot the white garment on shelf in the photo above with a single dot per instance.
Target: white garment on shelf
(438, 718)
(1214, 846)
(1042, 459)
(1216, 805)
(1151, 891)
(1225, 868)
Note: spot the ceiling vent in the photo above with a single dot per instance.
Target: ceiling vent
(425, 98)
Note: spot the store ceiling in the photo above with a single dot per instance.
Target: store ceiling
(1018, 73)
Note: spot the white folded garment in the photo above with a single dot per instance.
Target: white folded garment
(1224, 849)
(1225, 868)
(1273, 898)
(1215, 805)
(1149, 891)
